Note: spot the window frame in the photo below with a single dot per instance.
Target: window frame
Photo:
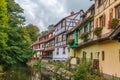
(57, 52)
(103, 55)
(100, 3)
(117, 11)
(101, 21)
(63, 50)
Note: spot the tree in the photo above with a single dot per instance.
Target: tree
(3, 29)
(18, 50)
(33, 31)
(51, 27)
(3, 23)
(15, 14)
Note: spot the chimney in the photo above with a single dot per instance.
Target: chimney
(72, 13)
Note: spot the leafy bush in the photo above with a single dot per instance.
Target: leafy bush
(1, 69)
(82, 71)
(98, 31)
(37, 65)
(84, 36)
(113, 24)
(69, 41)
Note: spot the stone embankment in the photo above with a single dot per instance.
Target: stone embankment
(65, 74)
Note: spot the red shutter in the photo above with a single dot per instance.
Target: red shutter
(104, 20)
(96, 23)
(111, 14)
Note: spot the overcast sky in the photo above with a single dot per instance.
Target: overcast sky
(42, 13)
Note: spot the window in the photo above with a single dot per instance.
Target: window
(96, 25)
(111, 15)
(64, 37)
(91, 56)
(62, 25)
(101, 21)
(103, 56)
(81, 30)
(86, 28)
(118, 12)
(100, 2)
(63, 50)
(98, 53)
(84, 55)
(57, 51)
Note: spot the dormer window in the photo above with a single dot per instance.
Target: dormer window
(100, 2)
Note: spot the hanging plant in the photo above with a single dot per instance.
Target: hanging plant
(113, 24)
(98, 31)
(69, 41)
(84, 36)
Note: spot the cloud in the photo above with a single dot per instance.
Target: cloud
(42, 13)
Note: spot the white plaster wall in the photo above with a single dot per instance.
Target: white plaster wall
(60, 56)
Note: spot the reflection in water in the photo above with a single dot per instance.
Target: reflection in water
(26, 73)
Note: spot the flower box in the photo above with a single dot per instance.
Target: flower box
(98, 31)
(84, 36)
(69, 41)
(113, 24)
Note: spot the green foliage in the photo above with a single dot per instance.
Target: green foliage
(37, 65)
(33, 31)
(59, 65)
(114, 23)
(98, 31)
(82, 71)
(3, 16)
(51, 27)
(43, 33)
(3, 24)
(1, 69)
(15, 14)
(84, 35)
(14, 39)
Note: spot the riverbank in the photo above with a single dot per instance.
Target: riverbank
(59, 71)
(82, 71)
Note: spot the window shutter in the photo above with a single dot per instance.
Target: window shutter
(96, 23)
(104, 20)
(111, 14)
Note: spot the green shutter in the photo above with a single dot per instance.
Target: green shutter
(76, 36)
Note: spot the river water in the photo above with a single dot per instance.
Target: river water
(26, 73)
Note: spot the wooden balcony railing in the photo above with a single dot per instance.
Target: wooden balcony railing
(50, 48)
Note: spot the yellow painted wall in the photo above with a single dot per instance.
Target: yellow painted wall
(111, 64)
(88, 49)
(71, 53)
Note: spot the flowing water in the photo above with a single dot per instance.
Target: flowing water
(25, 73)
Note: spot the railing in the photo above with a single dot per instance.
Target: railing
(50, 48)
(38, 49)
(61, 43)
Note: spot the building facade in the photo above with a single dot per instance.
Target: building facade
(93, 35)
(95, 41)
(67, 23)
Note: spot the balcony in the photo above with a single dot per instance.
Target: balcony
(39, 49)
(72, 43)
(50, 48)
(62, 43)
